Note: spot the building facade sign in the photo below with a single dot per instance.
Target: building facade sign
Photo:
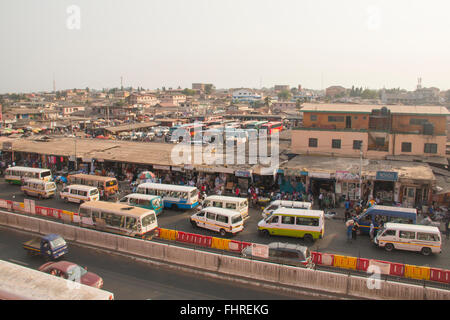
(320, 175)
(386, 176)
(242, 173)
(346, 176)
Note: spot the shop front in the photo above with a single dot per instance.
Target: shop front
(386, 187)
(321, 182)
(414, 194)
(347, 186)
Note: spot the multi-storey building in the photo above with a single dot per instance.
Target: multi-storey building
(340, 130)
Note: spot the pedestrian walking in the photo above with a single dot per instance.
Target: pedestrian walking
(346, 215)
(349, 225)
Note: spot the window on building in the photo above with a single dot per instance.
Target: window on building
(430, 148)
(406, 146)
(312, 142)
(335, 119)
(357, 144)
(336, 143)
(313, 117)
(380, 141)
(415, 121)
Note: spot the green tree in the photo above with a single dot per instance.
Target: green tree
(188, 92)
(208, 88)
(284, 95)
(267, 101)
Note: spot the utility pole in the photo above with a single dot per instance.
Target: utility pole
(360, 173)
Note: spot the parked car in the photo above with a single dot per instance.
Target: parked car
(284, 253)
(72, 271)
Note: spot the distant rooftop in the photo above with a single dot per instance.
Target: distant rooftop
(361, 108)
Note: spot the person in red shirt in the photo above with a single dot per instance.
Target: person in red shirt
(237, 191)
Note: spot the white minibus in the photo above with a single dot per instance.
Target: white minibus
(232, 203)
(411, 237)
(79, 193)
(274, 205)
(39, 188)
(218, 219)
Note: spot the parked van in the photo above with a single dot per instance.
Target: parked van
(146, 201)
(39, 188)
(232, 203)
(79, 193)
(274, 205)
(300, 223)
(218, 219)
(423, 239)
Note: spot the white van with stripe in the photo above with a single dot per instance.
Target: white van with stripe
(410, 237)
(79, 193)
(224, 221)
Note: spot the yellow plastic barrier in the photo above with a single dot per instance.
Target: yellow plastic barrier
(22, 205)
(415, 272)
(168, 234)
(67, 215)
(219, 243)
(345, 262)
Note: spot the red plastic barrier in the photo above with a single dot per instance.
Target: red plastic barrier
(327, 259)
(316, 257)
(362, 264)
(199, 240)
(245, 244)
(235, 246)
(397, 269)
(440, 275)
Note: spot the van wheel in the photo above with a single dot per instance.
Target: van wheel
(389, 247)
(223, 232)
(194, 224)
(308, 238)
(425, 251)
(265, 233)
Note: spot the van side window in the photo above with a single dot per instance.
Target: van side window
(407, 235)
(274, 219)
(221, 218)
(217, 204)
(201, 214)
(66, 190)
(73, 191)
(85, 212)
(287, 220)
(427, 236)
(389, 233)
(211, 216)
(231, 206)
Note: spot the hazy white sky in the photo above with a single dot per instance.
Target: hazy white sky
(231, 43)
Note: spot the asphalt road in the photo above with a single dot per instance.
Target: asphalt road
(334, 241)
(129, 279)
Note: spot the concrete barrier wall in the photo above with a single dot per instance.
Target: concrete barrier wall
(368, 288)
(257, 270)
(437, 294)
(313, 279)
(96, 238)
(265, 271)
(234, 265)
